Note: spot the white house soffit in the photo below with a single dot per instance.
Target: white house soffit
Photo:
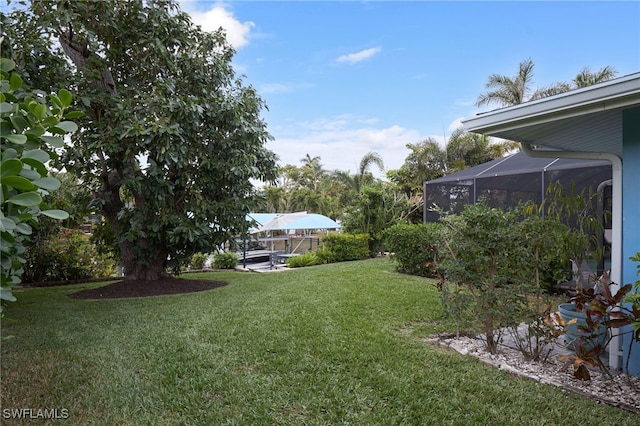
(614, 94)
(592, 132)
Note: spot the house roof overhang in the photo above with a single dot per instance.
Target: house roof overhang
(587, 119)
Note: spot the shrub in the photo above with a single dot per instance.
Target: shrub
(225, 260)
(32, 127)
(323, 255)
(302, 260)
(549, 262)
(66, 255)
(413, 247)
(483, 261)
(198, 260)
(343, 247)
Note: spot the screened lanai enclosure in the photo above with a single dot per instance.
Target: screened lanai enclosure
(516, 178)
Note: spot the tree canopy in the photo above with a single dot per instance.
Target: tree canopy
(171, 137)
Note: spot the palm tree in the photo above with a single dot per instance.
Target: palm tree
(587, 78)
(466, 149)
(507, 91)
(356, 182)
(344, 178)
(363, 174)
(426, 161)
(312, 169)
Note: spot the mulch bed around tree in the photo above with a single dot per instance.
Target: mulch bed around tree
(139, 288)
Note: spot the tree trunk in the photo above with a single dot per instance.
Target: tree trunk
(151, 268)
(141, 259)
(150, 272)
(79, 54)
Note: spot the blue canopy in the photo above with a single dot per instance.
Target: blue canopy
(260, 218)
(288, 221)
(312, 221)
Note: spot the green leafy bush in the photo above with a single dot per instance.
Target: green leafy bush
(225, 260)
(323, 255)
(66, 255)
(302, 260)
(342, 247)
(549, 261)
(413, 247)
(32, 124)
(485, 269)
(198, 260)
(496, 265)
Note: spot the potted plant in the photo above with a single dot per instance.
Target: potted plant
(586, 319)
(583, 326)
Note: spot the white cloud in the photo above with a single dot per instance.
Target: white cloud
(342, 141)
(455, 124)
(353, 58)
(237, 32)
(274, 88)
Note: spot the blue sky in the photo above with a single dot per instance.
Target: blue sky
(345, 78)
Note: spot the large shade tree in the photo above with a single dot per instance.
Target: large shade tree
(171, 137)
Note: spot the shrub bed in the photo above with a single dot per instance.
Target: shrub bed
(342, 247)
(413, 247)
(225, 260)
(66, 255)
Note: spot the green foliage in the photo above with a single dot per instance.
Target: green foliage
(306, 259)
(324, 255)
(429, 160)
(66, 255)
(104, 240)
(155, 86)
(582, 240)
(413, 247)
(483, 260)
(197, 261)
(342, 247)
(73, 197)
(496, 266)
(633, 301)
(602, 308)
(31, 125)
(546, 258)
(598, 308)
(373, 209)
(507, 91)
(225, 260)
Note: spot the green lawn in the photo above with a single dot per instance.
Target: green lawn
(322, 345)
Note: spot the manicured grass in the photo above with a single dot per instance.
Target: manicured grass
(323, 345)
